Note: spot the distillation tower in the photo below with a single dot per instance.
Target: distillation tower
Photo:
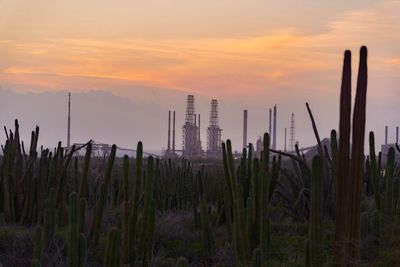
(214, 132)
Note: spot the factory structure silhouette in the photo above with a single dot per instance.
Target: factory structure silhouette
(192, 146)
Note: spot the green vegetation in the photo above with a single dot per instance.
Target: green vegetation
(337, 207)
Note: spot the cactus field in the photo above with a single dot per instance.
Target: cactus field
(340, 208)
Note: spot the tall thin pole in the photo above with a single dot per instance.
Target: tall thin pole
(397, 134)
(69, 121)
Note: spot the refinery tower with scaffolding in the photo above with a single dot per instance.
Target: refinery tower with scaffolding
(214, 132)
(191, 144)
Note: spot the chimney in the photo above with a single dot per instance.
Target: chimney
(285, 139)
(69, 121)
(199, 130)
(169, 131)
(173, 133)
(274, 136)
(270, 125)
(386, 135)
(245, 128)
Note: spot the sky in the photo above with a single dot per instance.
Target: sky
(247, 54)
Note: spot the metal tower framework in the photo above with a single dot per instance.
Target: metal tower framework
(213, 131)
(191, 144)
(292, 133)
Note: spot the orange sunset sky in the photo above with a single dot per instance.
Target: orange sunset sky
(250, 54)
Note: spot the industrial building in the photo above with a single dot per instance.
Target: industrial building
(191, 143)
(214, 132)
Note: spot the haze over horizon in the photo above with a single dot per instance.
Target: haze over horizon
(147, 56)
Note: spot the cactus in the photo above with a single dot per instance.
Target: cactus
(316, 216)
(334, 153)
(96, 223)
(350, 172)
(81, 219)
(307, 262)
(113, 252)
(250, 220)
(207, 233)
(264, 198)
(365, 235)
(82, 250)
(34, 263)
(73, 230)
(256, 261)
(146, 238)
(85, 171)
(133, 220)
(37, 247)
(182, 262)
(240, 235)
(125, 211)
(97, 219)
(389, 182)
(374, 171)
(49, 219)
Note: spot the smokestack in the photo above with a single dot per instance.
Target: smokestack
(270, 121)
(397, 134)
(285, 139)
(173, 133)
(69, 121)
(245, 128)
(169, 131)
(386, 135)
(199, 130)
(274, 136)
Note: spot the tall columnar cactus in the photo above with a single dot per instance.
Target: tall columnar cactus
(264, 197)
(374, 171)
(113, 250)
(317, 211)
(256, 261)
(350, 172)
(11, 176)
(369, 233)
(256, 202)
(100, 205)
(133, 220)
(73, 230)
(207, 235)
(307, 253)
(389, 182)
(125, 211)
(250, 218)
(239, 213)
(85, 172)
(82, 250)
(34, 263)
(146, 234)
(49, 219)
(334, 153)
(182, 262)
(82, 217)
(37, 247)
